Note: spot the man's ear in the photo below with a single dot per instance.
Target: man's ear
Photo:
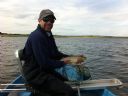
(39, 20)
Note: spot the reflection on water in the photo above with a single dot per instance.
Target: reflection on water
(106, 57)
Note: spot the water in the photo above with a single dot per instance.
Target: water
(8, 62)
(106, 57)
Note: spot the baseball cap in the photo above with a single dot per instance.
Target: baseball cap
(45, 13)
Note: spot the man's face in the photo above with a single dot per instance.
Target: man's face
(47, 23)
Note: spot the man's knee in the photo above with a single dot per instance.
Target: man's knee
(57, 86)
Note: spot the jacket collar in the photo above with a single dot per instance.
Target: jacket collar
(49, 34)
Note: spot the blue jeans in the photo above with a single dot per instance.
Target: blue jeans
(74, 73)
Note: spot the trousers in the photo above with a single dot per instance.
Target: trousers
(55, 87)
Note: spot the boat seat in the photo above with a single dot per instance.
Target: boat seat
(29, 88)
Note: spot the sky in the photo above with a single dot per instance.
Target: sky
(74, 17)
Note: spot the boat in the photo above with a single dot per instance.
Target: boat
(98, 87)
(84, 88)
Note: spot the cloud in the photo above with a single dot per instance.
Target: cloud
(74, 17)
(97, 6)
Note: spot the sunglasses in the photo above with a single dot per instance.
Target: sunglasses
(46, 19)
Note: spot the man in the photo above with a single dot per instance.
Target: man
(42, 58)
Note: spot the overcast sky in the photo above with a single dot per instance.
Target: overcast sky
(74, 17)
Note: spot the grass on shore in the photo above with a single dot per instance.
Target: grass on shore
(60, 36)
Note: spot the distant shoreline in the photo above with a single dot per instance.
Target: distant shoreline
(59, 36)
(12, 35)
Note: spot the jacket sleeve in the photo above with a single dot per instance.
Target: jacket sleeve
(59, 55)
(39, 50)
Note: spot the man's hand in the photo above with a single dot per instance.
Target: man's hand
(66, 60)
(74, 59)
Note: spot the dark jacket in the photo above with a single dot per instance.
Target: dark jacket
(41, 57)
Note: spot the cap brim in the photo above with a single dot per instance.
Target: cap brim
(53, 17)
